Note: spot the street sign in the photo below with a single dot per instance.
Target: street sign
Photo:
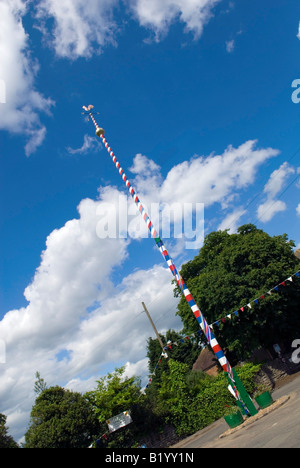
(121, 420)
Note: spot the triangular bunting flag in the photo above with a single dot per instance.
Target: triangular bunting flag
(256, 301)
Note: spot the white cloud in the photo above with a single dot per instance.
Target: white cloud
(230, 45)
(23, 104)
(144, 166)
(232, 220)
(266, 211)
(81, 27)
(277, 179)
(213, 179)
(158, 16)
(298, 35)
(298, 210)
(89, 144)
(270, 207)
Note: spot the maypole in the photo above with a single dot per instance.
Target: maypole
(235, 383)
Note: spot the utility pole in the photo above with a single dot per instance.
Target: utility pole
(154, 327)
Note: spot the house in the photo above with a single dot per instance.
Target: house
(207, 362)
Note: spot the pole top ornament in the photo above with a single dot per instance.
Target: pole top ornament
(88, 111)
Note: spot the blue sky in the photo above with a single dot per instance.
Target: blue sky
(196, 101)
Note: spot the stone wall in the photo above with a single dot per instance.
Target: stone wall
(272, 371)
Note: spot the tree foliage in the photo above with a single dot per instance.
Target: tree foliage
(40, 384)
(6, 441)
(61, 419)
(114, 394)
(185, 351)
(193, 400)
(233, 270)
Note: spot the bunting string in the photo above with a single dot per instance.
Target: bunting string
(256, 301)
(223, 320)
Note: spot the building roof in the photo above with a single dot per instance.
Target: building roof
(206, 360)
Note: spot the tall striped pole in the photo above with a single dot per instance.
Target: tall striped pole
(188, 296)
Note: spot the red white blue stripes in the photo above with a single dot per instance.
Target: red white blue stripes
(188, 296)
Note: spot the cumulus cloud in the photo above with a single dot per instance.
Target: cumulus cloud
(23, 104)
(208, 180)
(298, 210)
(214, 178)
(271, 206)
(158, 16)
(81, 27)
(267, 210)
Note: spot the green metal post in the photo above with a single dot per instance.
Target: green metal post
(243, 395)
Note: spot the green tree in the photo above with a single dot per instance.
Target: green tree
(114, 394)
(232, 270)
(177, 346)
(6, 441)
(40, 384)
(61, 419)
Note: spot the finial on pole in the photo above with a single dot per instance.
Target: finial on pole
(88, 111)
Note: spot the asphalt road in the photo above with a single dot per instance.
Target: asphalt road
(279, 429)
